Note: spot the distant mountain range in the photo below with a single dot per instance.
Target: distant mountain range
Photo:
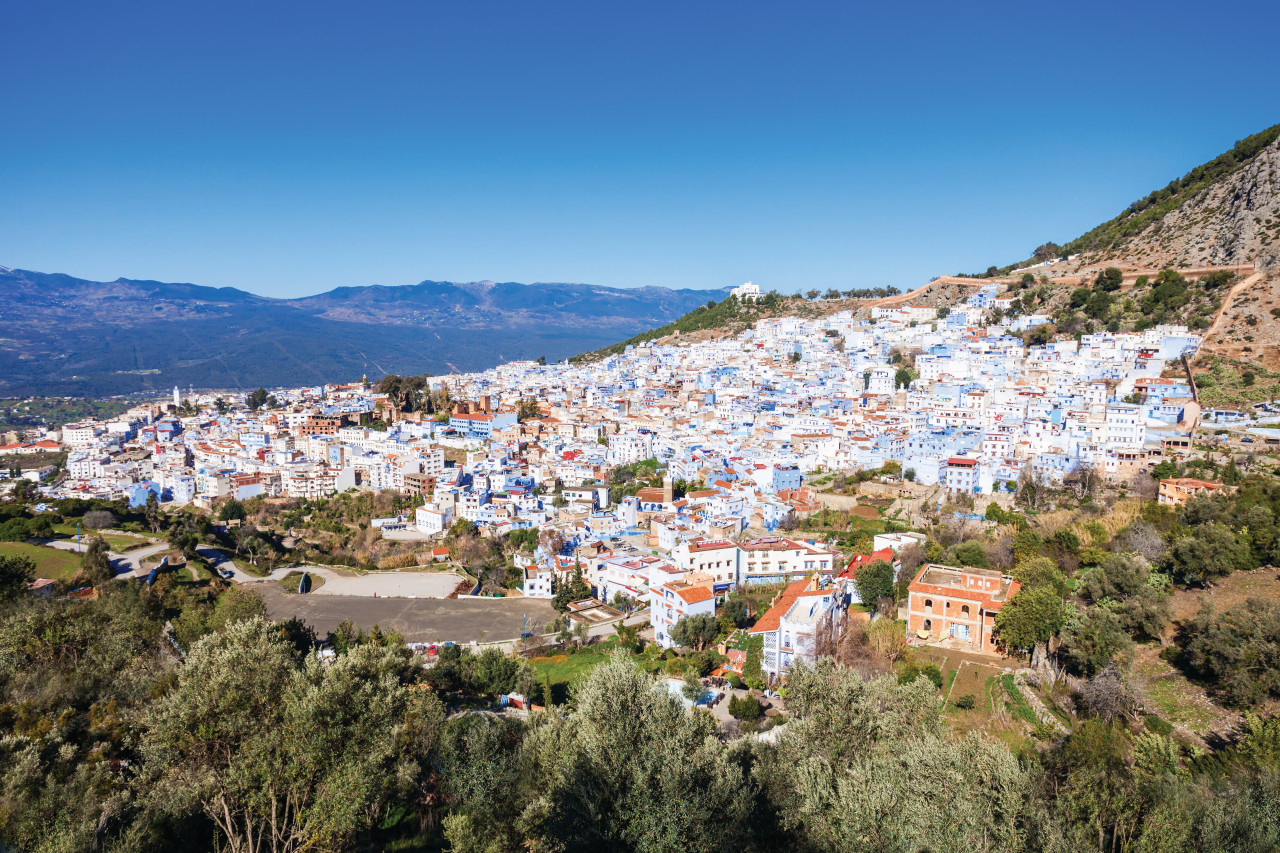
(66, 336)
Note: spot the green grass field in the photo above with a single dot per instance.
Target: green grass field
(50, 562)
(564, 669)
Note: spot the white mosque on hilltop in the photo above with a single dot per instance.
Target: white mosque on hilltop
(746, 291)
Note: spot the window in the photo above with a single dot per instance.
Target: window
(964, 611)
(928, 605)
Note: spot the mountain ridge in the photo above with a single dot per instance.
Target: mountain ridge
(67, 336)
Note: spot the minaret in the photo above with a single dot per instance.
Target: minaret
(177, 397)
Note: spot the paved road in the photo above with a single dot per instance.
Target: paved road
(130, 564)
(221, 562)
(125, 565)
(420, 620)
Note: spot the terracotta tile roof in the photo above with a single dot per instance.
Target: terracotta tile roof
(695, 594)
(860, 560)
(773, 616)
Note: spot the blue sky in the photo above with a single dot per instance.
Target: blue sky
(288, 148)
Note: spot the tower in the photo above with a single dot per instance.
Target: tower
(177, 397)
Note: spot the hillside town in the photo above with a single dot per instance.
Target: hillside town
(937, 405)
(394, 455)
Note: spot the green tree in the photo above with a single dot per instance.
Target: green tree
(628, 637)
(232, 510)
(697, 631)
(1118, 576)
(1099, 305)
(527, 409)
(567, 592)
(875, 581)
(151, 511)
(1211, 552)
(1093, 782)
(1236, 650)
(971, 552)
(747, 708)
(95, 562)
(1109, 280)
(1041, 571)
(737, 611)
(1094, 639)
(15, 573)
(257, 399)
(284, 756)
(860, 760)
(1030, 617)
(631, 770)
(1045, 252)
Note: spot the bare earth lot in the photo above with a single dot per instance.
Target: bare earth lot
(388, 584)
(420, 620)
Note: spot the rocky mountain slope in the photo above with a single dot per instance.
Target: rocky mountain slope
(1223, 214)
(1233, 220)
(68, 336)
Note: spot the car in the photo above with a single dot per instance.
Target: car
(227, 573)
(1247, 440)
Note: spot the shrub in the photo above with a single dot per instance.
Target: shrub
(99, 519)
(912, 671)
(966, 702)
(398, 561)
(1235, 649)
(746, 708)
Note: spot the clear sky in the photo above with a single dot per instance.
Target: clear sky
(290, 147)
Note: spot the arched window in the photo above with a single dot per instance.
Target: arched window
(928, 625)
(928, 605)
(964, 611)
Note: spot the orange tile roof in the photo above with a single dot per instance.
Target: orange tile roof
(695, 594)
(773, 616)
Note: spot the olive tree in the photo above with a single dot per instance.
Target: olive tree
(631, 769)
(283, 755)
(860, 765)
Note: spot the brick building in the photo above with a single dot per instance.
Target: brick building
(946, 603)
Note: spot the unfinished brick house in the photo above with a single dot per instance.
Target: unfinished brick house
(957, 605)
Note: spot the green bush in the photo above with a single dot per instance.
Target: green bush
(746, 708)
(966, 702)
(912, 671)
